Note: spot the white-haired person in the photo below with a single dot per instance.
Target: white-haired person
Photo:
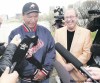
(76, 40)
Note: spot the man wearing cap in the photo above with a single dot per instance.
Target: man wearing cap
(44, 51)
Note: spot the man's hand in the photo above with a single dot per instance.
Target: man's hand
(5, 44)
(69, 67)
(94, 71)
(39, 76)
(9, 78)
(16, 40)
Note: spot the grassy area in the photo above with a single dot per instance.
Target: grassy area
(93, 35)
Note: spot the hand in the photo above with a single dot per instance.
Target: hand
(9, 78)
(16, 40)
(69, 67)
(94, 71)
(39, 76)
(5, 44)
(88, 81)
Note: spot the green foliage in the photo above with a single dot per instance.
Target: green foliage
(93, 35)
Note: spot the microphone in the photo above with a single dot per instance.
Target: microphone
(21, 51)
(34, 61)
(72, 59)
(94, 12)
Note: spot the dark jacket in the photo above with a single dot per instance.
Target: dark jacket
(2, 49)
(6, 58)
(45, 46)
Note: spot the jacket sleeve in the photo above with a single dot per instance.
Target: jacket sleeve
(85, 56)
(7, 57)
(2, 49)
(50, 56)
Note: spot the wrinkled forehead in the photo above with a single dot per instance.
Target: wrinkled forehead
(70, 12)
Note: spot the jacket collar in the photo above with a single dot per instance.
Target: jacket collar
(27, 29)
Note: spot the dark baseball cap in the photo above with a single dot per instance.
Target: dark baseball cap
(29, 8)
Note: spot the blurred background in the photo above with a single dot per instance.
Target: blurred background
(11, 10)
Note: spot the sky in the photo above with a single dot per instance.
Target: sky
(11, 7)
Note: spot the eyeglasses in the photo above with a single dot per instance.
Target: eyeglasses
(70, 17)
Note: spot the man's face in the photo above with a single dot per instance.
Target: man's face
(31, 19)
(70, 19)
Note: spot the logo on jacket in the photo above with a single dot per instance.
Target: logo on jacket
(34, 49)
(23, 46)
